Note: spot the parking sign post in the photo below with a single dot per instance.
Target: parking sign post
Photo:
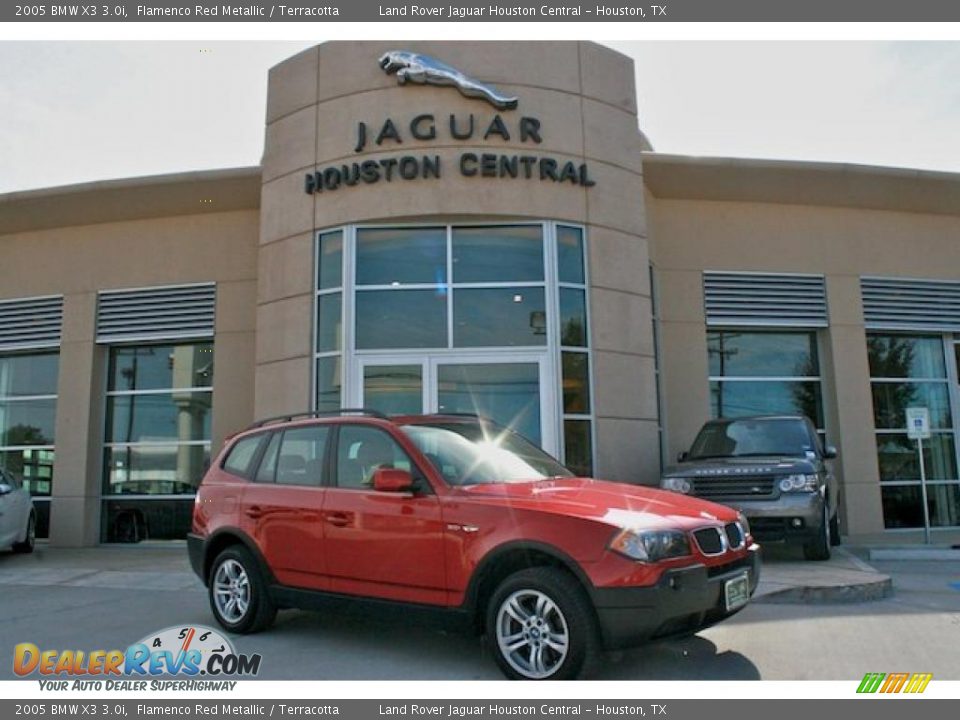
(918, 428)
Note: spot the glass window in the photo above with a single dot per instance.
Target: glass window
(891, 400)
(905, 356)
(570, 255)
(301, 457)
(897, 456)
(155, 367)
(907, 371)
(508, 393)
(267, 472)
(498, 254)
(384, 319)
(576, 383)
(361, 451)
(329, 330)
(155, 469)
(399, 256)
(393, 389)
(22, 375)
(762, 354)
(328, 383)
(155, 417)
(499, 317)
(330, 260)
(577, 444)
(156, 437)
(28, 415)
(573, 317)
(27, 422)
(741, 360)
(732, 398)
(241, 455)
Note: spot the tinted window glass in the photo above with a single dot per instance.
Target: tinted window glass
(238, 461)
(28, 375)
(328, 383)
(570, 254)
(161, 366)
(746, 354)
(573, 317)
(154, 469)
(498, 254)
(330, 260)
(493, 317)
(329, 321)
(383, 319)
(401, 256)
(894, 356)
(267, 471)
(733, 398)
(301, 457)
(179, 416)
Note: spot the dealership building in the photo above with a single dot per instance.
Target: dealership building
(508, 244)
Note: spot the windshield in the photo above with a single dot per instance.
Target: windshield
(475, 454)
(739, 438)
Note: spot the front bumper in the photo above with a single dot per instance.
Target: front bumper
(682, 602)
(791, 517)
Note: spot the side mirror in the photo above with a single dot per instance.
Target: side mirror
(5, 489)
(682, 457)
(392, 480)
(829, 452)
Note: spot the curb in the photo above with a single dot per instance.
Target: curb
(914, 554)
(877, 589)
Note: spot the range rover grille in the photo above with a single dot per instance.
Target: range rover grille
(734, 488)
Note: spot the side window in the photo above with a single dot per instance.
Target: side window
(361, 450)
(268, 465)
(241, 455)
(300, 461)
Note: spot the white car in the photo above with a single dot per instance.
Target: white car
(18, 520)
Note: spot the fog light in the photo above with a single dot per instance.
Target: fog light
(797, 522)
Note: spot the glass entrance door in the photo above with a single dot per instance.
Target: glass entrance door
(512, 390)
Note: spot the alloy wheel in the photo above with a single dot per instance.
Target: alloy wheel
(231, 588)
(532, 634)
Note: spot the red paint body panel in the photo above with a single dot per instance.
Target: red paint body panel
(426, 548)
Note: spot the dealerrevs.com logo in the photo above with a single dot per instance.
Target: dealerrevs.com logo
(179, 651)
(887, 683)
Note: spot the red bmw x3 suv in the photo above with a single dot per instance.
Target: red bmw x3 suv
(465, 519)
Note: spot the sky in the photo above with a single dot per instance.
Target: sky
(84, 111)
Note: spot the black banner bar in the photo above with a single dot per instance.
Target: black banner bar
(485, 11)
(106, 708)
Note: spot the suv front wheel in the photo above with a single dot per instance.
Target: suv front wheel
(238, 593)
(540, 626)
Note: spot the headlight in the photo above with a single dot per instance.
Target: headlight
(742, 519)
(798, 483)
(677, 484)
(651, 546)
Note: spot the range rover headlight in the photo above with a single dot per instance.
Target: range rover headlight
(798, 483)
(651, 546)
(677, 484)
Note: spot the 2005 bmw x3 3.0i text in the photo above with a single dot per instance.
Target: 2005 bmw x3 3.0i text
(463, 518)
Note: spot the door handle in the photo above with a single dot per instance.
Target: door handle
(339, 519)
(254, 511)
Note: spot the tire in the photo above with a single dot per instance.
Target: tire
(551, 622)
(835, 530)
(236, 576)
(819, 547)
(29, 538)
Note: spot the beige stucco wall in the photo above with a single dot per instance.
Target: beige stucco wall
(690, 236)
(77, 261)
(583, 95)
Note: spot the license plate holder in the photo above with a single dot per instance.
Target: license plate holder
(736, 592)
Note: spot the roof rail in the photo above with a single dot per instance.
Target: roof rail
(318, 414)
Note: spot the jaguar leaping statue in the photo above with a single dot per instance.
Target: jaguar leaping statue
(425, 70)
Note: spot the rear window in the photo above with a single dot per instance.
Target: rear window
(241, 455)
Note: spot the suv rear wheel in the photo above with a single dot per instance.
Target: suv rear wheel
(30, 538)
(540, 626)
(238, 593)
